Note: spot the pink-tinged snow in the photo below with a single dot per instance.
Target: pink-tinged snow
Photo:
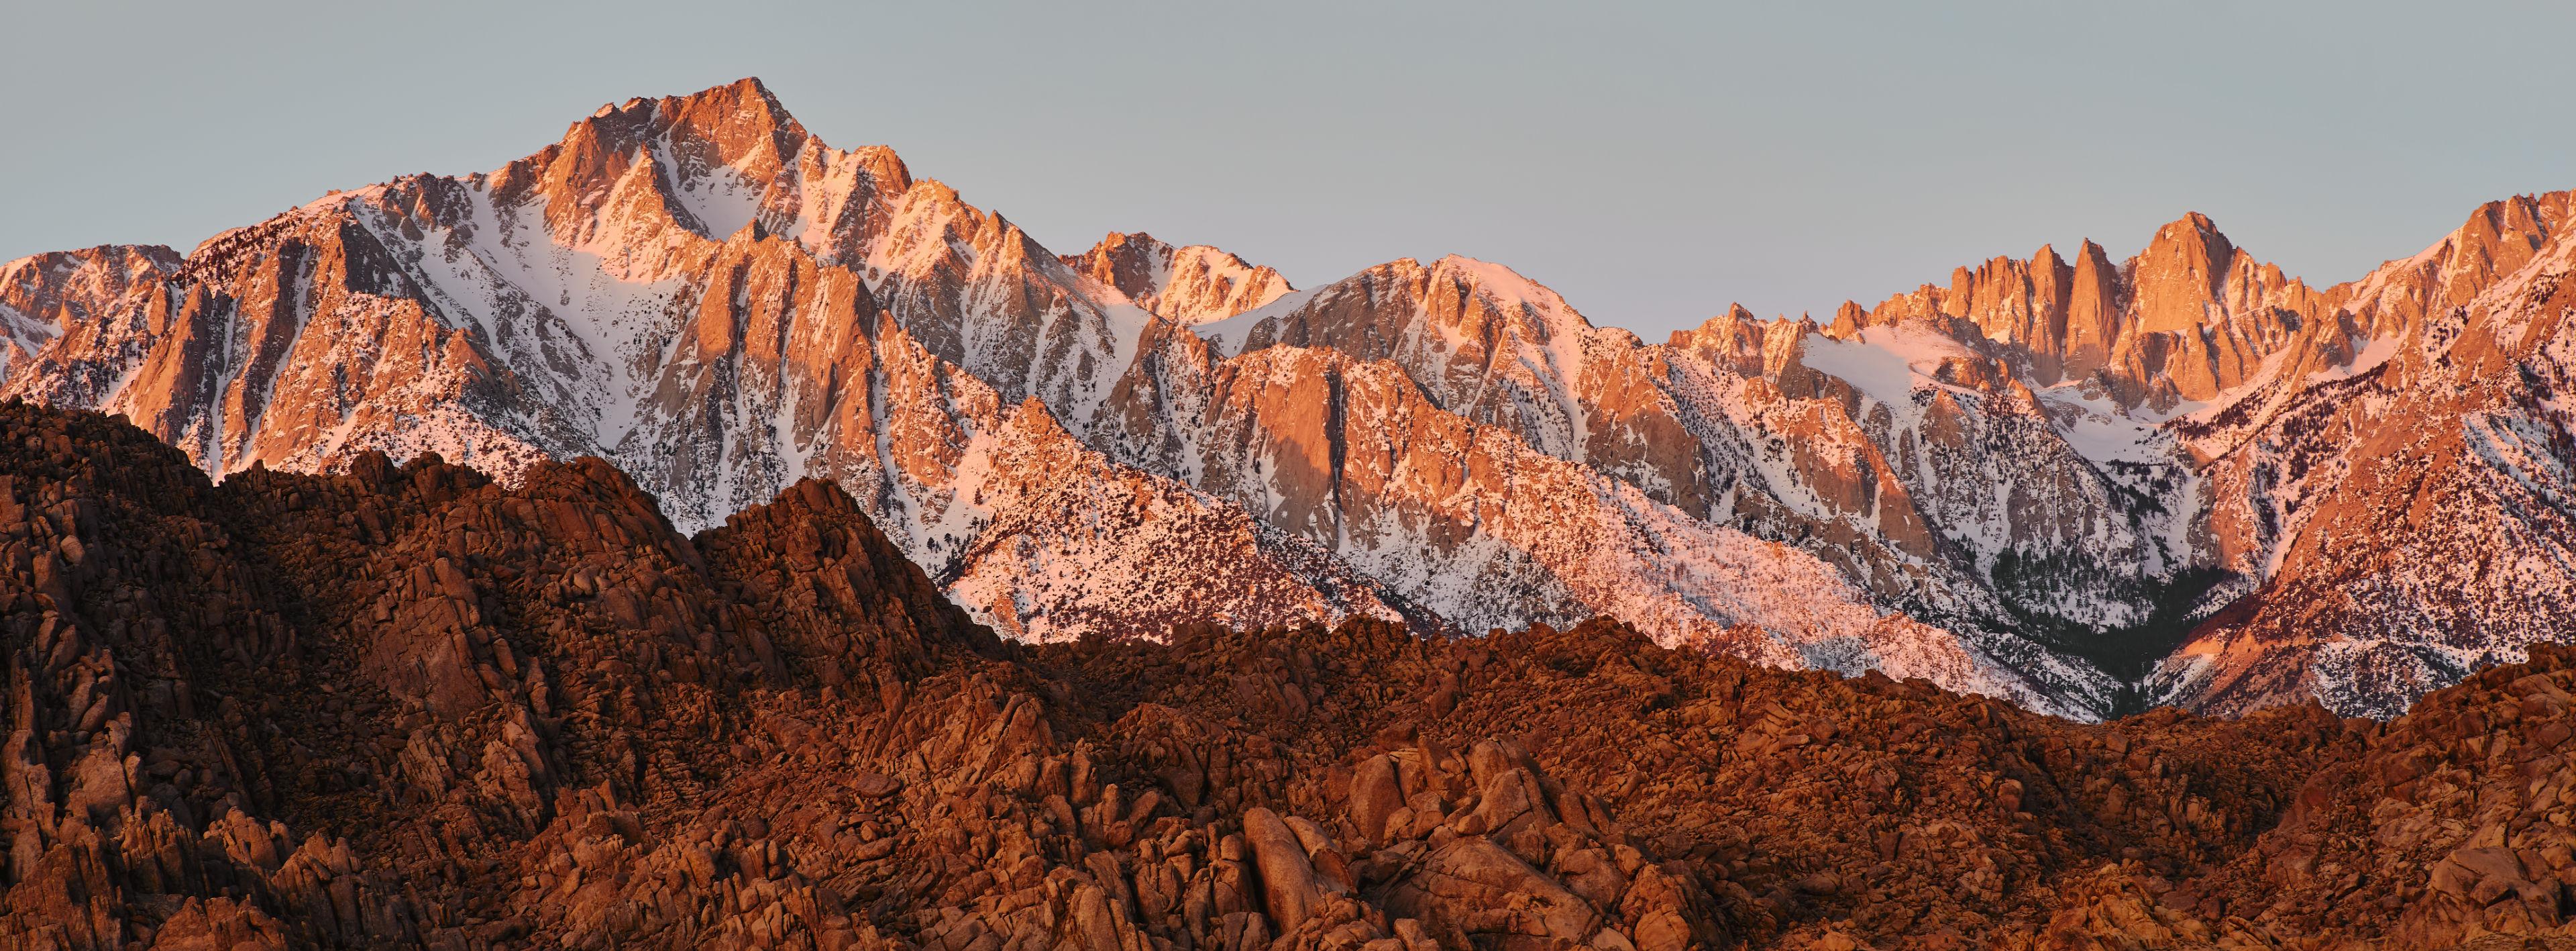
(2373, 353)
(1045, 539)
(1700, 579)
(1199, 284)
(1886, 362)
(21, 334)
(1226, 338)
(1555, 360)
(1103, 554)
(2519, 447)
(2094, 425)
(1882, 373)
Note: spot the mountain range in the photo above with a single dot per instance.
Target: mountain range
(2085, 486)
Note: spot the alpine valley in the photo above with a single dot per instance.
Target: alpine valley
(2083, 485)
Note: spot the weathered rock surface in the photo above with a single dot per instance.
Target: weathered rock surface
(405, 706)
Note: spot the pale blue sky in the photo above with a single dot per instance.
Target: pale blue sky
(1652, 162)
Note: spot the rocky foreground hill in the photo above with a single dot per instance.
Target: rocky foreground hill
(405, 706)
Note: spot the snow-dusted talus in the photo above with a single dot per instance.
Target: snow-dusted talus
(2415, 512)
(699, 291)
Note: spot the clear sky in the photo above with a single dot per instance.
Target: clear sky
(1652, 162)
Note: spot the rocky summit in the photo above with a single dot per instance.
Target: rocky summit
(410, 705)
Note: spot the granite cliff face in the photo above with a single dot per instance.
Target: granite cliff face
(2037, 482)
(411, 707)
